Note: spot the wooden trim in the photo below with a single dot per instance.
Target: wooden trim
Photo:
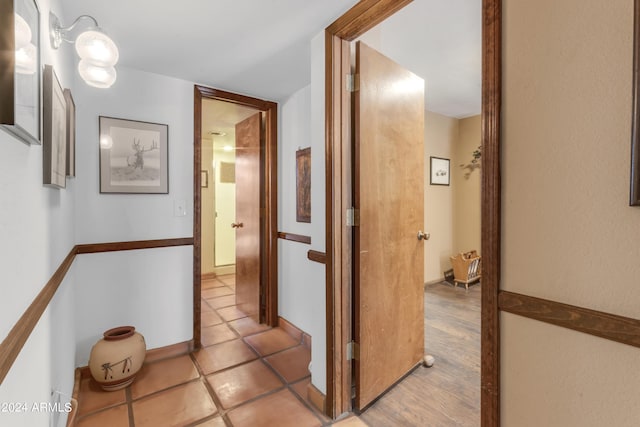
(133, 245)
(269, 238)
(197, 214)
(153, 355)
(365, 15)
(621, 329)
(208, 276)
(291, 329)
(294, 237)
(490, 211)
(317, 256)
(17, 337)
(634, 196)
(317, 399)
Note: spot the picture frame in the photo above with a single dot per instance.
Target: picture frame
(20, 73)
(204, 178)
(440, 171)
(134, 156)
(634, 185)
(71, 133)
(303, 185)
(54, 135)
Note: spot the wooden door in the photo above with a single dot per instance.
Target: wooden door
(389, 194)
(247, 223)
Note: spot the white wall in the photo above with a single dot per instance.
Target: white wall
(152, 289)
(225, 206)
(301, 283)
(36, 234)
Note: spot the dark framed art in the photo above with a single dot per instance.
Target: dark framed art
(71, 133)
(634, 196)
(440, 172)
(20, 72)
(133, 156)
(54, 135)
(303, 185)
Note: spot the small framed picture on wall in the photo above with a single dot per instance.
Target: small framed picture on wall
(440, 171)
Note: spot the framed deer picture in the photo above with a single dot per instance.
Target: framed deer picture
(133, 157)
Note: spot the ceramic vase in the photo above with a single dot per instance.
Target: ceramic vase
(117, 357)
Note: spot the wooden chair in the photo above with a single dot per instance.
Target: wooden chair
(466, 268)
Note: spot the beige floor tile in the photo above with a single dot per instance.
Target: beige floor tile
(271, 341)
(93, 398)
(221, 302)
(162, 375)
(281, 409)
(214, 422)
(216, 334)
(237, 385)
(177, 406)
(247, 326)
(225, 355)
(292, 364)
(114, 417)
(231, 313)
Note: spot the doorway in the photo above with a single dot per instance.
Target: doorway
(211, 259)
(362, 17)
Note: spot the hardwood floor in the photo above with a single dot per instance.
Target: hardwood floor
(447, 394)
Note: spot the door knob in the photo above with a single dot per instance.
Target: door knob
(237, 225)
(423, 236)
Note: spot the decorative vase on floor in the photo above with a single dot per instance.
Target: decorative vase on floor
(116, 359)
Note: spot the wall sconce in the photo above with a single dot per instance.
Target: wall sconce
(26, 52)
(98, 53)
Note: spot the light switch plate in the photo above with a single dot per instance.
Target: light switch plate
(179, 208)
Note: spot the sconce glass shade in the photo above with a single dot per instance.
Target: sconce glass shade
(97, 48)
(26, 59)
(96, 76)
(23, 32)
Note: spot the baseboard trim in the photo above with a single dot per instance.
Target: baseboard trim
(208, 276)
(317, 398)
(152, 355)
(301, 336)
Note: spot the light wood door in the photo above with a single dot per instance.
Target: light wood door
(247, 223)
(389, 193)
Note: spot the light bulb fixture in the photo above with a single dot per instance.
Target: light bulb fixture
(26, 52)
(98, 53)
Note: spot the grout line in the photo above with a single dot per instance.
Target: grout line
(127, 393)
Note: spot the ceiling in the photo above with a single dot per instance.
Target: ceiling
(261, 47)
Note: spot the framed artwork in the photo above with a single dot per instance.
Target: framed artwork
(133, 156)
(54, 135)
(20, 75)
(440, 171)
(71, 133)
(303, 185)
(634, 193)
(204, 178)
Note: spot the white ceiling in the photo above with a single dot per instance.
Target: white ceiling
(261, 47)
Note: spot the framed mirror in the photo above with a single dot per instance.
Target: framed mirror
(20, 73)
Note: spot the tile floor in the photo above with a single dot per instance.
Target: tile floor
(246, 374)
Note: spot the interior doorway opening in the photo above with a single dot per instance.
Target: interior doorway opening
(362, 17)
(235, 168)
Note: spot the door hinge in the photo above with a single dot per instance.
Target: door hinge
(353, 217)
(353, 351)
(353, 82)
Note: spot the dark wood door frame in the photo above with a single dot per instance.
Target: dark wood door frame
(355, 22)
(269, 201)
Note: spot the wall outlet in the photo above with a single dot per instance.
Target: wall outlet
(180, 208)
